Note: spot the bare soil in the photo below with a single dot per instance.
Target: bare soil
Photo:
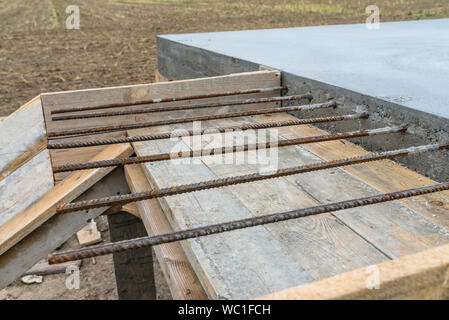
(116, 45)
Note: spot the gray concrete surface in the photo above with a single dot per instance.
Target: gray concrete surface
(391, 91)
(401, 62)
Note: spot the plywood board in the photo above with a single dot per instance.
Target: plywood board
(25, 186)
(22, 137)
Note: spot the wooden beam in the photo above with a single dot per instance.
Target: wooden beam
(22, 137)
(178, 272)
(128, 94)
(25, 186)
(424, 275)
(26, 221)
(57, 230)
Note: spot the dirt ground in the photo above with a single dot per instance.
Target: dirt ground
(115, 46)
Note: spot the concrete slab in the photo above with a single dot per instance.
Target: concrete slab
(406, 63)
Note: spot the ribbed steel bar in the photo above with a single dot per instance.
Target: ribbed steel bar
(222, 150)
(108, 248)
(183, 133)
(176, 108)
(152, 101)
(222, 182)
(96, 130)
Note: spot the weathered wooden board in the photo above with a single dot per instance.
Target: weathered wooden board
(22, 137)
(322, 245)
(261, 261)
(25, 186)
(29, 219)
(392, 228)
(418, 276)
(352, 238)
(385, 176)
(125, 94)
(181, 278)
(57, 230)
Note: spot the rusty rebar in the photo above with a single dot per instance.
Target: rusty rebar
(222, 182)
(173, 99)
(183, 133)
(222, 150)
(178, 108)
(97, 130)
(130, 244)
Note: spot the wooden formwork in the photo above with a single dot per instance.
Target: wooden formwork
(324, 256)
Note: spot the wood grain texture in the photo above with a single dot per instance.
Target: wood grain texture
(262, 263)
(25, 186)
(322, 245)
(127, 94)
(423, 275)
(181, 278)
(384, 176)
(57, 230)
(26, 221)
(393, 228)
(22, 137)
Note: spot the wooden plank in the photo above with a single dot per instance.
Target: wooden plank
(134, 272)
(25, 186)
(384, 176)
(57, 230)
(178, 272)
(125, 94)
(237, 264)
(322, 245)
(26, 221)
(263, 273)
(422, 275)
(22, 137)
(407, 232)
(391, 227)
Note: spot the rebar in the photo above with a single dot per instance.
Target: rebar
(178, 108)
(222, 182)
(97, 130)
(183, 133)
(160, 100)
(222, 150)
(130, 244)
